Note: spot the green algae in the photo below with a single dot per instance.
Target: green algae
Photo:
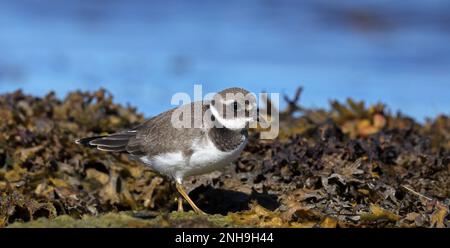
(126, 220)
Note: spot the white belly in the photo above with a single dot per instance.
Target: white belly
(204, 159)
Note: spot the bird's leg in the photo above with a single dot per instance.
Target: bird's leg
(180, 204)
(188, 199)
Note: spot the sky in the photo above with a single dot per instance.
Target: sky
(143, 52)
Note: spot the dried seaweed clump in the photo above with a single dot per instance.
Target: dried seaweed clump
(350, 166)
(43, 173)
(346, 166)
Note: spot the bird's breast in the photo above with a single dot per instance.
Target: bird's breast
(207, 157)
(204, 157)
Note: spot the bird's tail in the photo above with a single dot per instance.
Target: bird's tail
(86, 141)
(111, 143)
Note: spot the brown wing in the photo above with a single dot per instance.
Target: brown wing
(155, 136)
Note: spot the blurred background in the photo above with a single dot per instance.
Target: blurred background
(395, 52)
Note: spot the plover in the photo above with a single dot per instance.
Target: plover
(182, 151)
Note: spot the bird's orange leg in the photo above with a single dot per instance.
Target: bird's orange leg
(188, 199)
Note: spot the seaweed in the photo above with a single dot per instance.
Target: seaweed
(351, 165)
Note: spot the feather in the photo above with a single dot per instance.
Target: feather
(111, 143)
(106, 141)
(87, 141)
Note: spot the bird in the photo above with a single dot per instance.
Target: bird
(180, 151)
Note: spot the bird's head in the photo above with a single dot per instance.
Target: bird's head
(234, 108)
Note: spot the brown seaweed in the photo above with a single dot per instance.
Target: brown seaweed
(348, 166)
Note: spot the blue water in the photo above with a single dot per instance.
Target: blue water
(145, 51)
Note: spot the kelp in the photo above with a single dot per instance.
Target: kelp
(351, 165)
